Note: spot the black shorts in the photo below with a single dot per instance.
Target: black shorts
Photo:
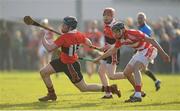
(115, 58)
(73, 71)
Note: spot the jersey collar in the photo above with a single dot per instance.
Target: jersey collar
(73, 31)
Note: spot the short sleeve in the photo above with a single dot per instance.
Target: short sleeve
(59, 41)
(81, 38)
(139, 35)
(118, 44)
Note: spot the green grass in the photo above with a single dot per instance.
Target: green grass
(20, 91)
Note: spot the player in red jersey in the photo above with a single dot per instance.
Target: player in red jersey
(146, 51)
(108, 65)
(68, 60)
(96, 38)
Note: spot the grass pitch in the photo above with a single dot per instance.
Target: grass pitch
(21, 90)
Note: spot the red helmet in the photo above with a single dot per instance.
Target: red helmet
(109, 10)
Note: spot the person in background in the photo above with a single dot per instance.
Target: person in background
(96, 37)
(5, 48)
(145, 28)
(43, 54)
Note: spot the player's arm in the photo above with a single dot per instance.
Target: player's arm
(163, 54)
(50, 46)
(111, 51)
(89, 44)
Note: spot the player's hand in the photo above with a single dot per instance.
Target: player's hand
(106, 47)
(96, 60)
(166, 57)
(101, 49)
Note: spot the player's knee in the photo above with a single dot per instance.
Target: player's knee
(111, 77)
(100, 72)
(139, 66)
(128, 71)
(43, 72)
(136, 69)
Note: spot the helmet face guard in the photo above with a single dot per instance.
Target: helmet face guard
(117, 27)
(116, 30)
(70, 21)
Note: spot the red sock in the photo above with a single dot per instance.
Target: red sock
(138, 88)
(51, 89)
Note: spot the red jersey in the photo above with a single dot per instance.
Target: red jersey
(134, 39)
(109, 39)
(69, 43)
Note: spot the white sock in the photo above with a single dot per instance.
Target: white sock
(108, 94)
(156, 81)
(137, 94)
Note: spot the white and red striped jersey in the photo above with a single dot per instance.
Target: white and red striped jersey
(134, 39)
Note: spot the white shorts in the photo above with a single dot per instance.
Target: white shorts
(42, 51)
(145, 56)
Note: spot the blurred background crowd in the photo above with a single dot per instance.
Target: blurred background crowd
(19, 44)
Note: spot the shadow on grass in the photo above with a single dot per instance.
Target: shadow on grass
(81, 106)
(147, 105)
(74, 104)
(33, 105)
(47, 105)
(75, 94)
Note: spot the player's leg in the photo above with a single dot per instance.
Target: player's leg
(128, 73)
(138, 84)
(45, 73)
(113, 61)
(138, 66)
(150, 74)
(53, 67)
(84, 87)
(104, 79)
(94, 67)
(110, 68)
(89, 68)
(112, 74)
(74, 73)
(151, 55)
(139, 62)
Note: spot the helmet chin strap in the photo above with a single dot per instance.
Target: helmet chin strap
(121, 37)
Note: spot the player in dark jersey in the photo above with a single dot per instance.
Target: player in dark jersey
(68, 60)
(109, 64)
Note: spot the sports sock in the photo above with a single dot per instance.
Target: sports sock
(150, 74)
(137, 91)
(50, 89)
